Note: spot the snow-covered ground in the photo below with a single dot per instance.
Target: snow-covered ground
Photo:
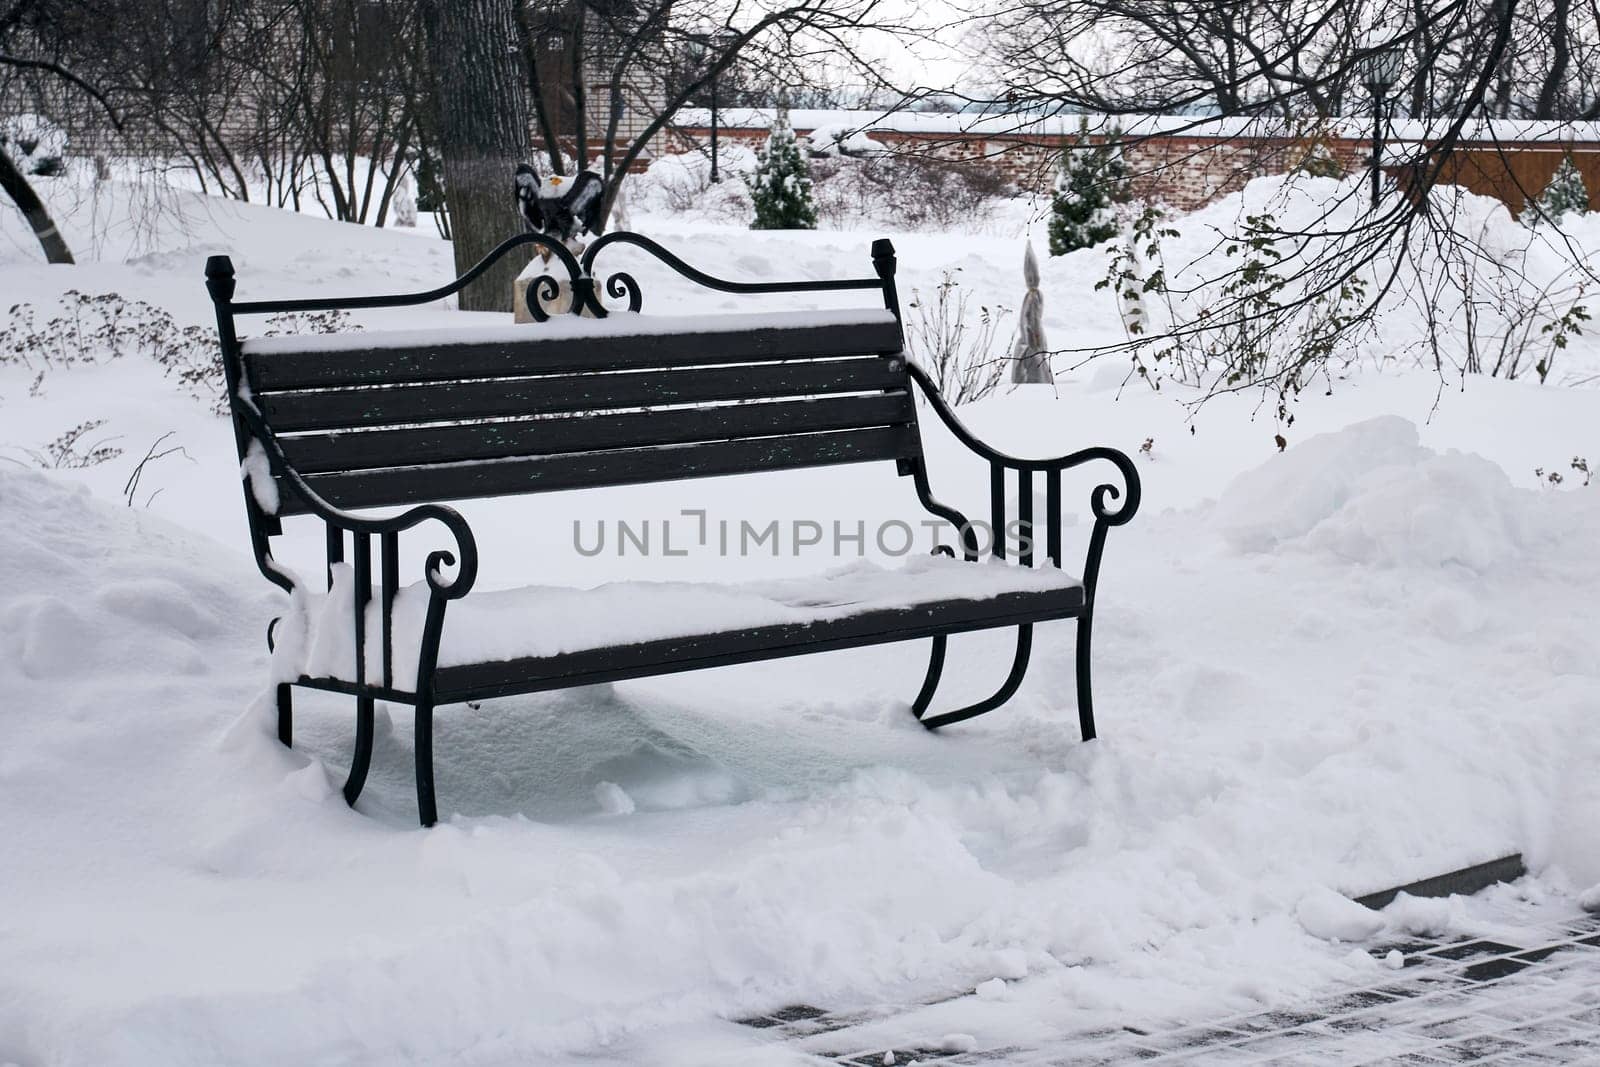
(1364, 661)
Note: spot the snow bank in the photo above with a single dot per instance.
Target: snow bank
(1372, 494)
(1255, 762)
(1293, 702)
(90, 592)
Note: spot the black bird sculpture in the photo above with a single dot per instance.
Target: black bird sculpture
(559, 206)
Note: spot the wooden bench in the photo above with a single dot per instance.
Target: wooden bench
(329, 425)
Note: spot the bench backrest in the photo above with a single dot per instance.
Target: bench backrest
(396, 419)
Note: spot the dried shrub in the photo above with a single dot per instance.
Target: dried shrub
(915, 192)
(955, 346)
(73, 450)
(88, 329)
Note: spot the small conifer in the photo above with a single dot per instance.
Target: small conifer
(1564, 195)
(1093, 178)
(781, 184)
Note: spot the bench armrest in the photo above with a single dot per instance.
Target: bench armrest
(464, 557)
(1001, 463)
(1129, 493)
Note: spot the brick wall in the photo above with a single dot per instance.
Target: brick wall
(1188, 172)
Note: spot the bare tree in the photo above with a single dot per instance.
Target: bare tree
(672, 50)
(356, 93)
(1289, 299)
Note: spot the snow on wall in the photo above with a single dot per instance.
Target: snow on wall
(1185, 161)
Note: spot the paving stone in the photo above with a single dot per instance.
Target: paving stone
(1467, 1000)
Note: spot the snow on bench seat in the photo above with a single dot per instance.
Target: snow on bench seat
(565, 328)
(546, 622)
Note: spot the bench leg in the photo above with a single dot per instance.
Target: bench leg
(285, 715)
(1085, 700)
(362, 759)
(427, 810)
(931, 681)
(1019, 668)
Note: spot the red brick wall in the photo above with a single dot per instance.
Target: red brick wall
(1184, 171)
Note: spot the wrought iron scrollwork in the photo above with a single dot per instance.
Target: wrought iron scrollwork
(620, 285)
(464, 557)
(541, 290)
(1128, 493)
(1002, 466)
(555, 249)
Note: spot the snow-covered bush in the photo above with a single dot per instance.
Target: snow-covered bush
(94, 328)
(841, 139)
(1092, 181)
(1030, 355)
(681, 184)
(1565, 195)
(74, 449)
(780, 188)
(908, 191)
(37, 145)
(1320, 162)
(902, 191)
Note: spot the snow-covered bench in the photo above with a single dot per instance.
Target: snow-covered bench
(330, 425)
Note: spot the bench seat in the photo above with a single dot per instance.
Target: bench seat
(545, 637)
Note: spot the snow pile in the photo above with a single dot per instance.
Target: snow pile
(680, 184)
(1333, 917)
(1249, 772)
(1373, 494)
(1316, 686)
(88, 592)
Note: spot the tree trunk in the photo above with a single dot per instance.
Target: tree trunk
(16, 186)
(1561, 48)
(482, 134)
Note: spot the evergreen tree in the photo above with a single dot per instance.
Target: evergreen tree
(1565, 193)
(781, 184)
(1092, 179)
(1320, 162)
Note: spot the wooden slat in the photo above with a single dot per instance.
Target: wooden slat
(464, 481)
(367, 450)
(750, 645)
(312, 369)
(333, 409)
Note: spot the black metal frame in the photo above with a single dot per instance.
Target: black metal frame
(1104, 518)
(253, 432)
